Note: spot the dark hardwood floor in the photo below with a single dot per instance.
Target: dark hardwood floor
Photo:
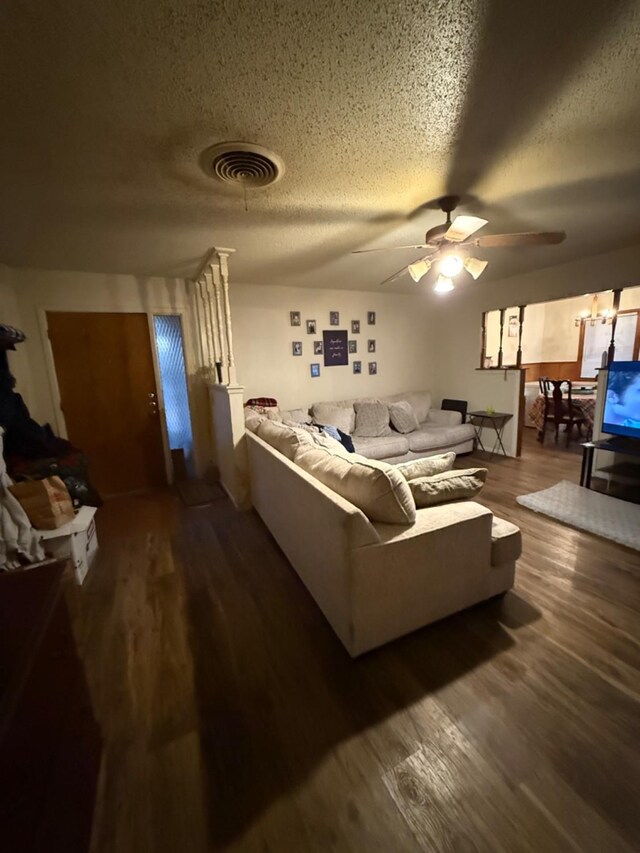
(234, 720)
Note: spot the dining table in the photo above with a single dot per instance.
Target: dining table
(586, 402)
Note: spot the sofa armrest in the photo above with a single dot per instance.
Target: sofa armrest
(449, 518)
(443, 417)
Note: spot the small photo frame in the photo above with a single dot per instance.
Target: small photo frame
(355, 327)
(371, 318)
(353, 346)
(315, 370)
(296, 348)
(373, 368)
(334, 318)
(357, 367)
(294, 318)
(311, 327)
(317, 347)
(371, 346)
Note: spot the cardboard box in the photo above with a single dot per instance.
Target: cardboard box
(76, 540)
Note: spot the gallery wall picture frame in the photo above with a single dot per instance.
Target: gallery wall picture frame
(353, 346)
(357, 367)
(371, 346)
(355, 327)
(317, 348)
(334, 318)
(336, 350)
(294, 318)
(315, 370)
(311, 327)
(373, 368)
(371, 318)
(296, 348)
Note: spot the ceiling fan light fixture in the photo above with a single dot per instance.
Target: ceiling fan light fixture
(451, 265)
(419, 269)
(443, 285)
(475, 267)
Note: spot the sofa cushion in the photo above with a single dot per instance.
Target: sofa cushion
(433, 437)
(283, 438)
(402, 417)
(372, 420)
(448, 486)
(382, 448)
(506, 542)
(416, 468)
(420, 402)
(342, 417)
(374, 487)
(298, 416)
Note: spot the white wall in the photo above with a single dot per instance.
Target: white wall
(458, 326)
(39, 290)
(262, 337)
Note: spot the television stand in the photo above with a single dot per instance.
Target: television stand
(626, 471)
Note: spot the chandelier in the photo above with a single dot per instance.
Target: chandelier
(594, 316)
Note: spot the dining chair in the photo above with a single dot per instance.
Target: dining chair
(559, 410)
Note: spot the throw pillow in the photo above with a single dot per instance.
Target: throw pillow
(342, 417)
(428, 467)
(455, 485)
(403, 418)
(420, 402)
(374, 487)
(372, 420)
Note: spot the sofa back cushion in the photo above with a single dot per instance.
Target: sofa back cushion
(415, 468)
(372, 420)
(403, 417)
(374, 487)
(284, 439)
(456, 485)
(341, 416)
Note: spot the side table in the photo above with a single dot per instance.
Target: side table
(497, 421)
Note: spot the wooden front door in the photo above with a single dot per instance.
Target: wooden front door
(109, 397)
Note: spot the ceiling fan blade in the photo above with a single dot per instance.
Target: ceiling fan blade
(395, 276)
(393, 248)
(475, 267)
(528, 238)
(463, 227)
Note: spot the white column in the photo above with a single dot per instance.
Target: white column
(223, 255)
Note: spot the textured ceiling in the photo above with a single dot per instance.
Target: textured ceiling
(527, 109)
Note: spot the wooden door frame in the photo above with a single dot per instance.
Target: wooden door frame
(54, 389)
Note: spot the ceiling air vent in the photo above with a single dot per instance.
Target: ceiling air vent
(242, 164)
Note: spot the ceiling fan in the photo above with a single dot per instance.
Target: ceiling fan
(450, 241)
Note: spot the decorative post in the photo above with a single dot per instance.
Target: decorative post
(223, 255)
(215, 321)
(502, 313)
(205, 327)
(616, 305)
(520, 325)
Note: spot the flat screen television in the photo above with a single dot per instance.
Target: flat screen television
(622, 402)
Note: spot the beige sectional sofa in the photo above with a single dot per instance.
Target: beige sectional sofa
(438, 430)
(374, 580)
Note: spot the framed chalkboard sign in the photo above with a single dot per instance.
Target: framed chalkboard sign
(336, 348)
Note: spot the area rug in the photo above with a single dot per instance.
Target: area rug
(587, 510)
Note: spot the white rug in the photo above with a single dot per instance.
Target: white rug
(588, 510)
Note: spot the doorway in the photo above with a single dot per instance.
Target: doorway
(108, 396)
